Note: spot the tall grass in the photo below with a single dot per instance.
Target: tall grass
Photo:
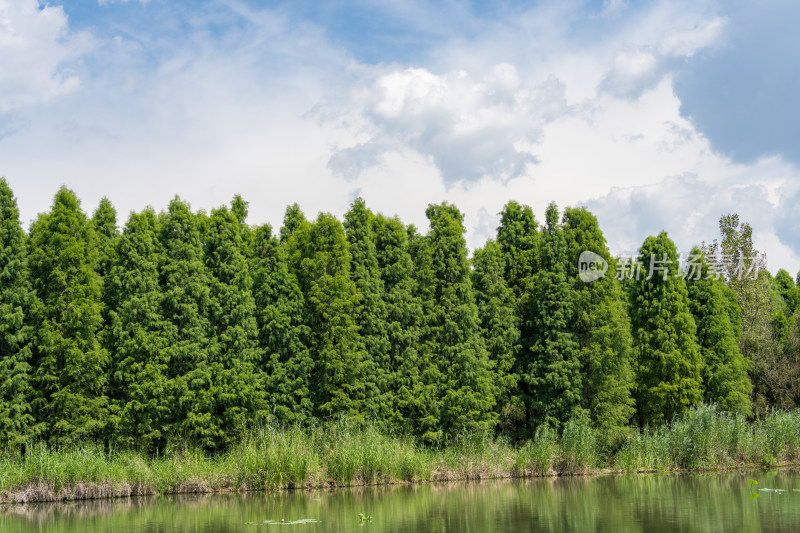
(705, 438)
(343, 453)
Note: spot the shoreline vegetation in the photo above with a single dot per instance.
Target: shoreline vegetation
(342, 453)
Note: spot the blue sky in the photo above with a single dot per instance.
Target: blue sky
(655, 115)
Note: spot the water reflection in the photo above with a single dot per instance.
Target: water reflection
(636, 503)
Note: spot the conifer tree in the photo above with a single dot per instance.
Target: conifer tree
(499, 327)
(518, 238)
(467, 395)
(16, 331)
(234, 353)
(371, 314)
(725, 381)
(283, 336)
(104, 224)
(293, 219)
(429, 422)
(668, 360)
(413, 398)
(187, 303)
(789, 293)
(601, 328)
(137, 337)
(70, 364)
(321, 260)
(550, 370)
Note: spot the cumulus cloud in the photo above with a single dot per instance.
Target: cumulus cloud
(37, 53)
(468, 128)
(523, 106)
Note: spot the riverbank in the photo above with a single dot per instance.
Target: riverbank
(340, 454)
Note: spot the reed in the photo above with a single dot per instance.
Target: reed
(342, 453)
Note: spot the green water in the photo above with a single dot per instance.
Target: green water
(636, 503)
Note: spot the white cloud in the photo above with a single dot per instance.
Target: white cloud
(272, 109)
(468, 128)
(36, 50)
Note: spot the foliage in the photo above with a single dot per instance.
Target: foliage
(17, 423)
(725, 381)
(551, 381)
(668, 358)
(197, 328)
(467, 395)
(602, 330)
(70, 364)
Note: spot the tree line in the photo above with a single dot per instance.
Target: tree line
(193, 326)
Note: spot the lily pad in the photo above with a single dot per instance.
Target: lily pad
(285, 522)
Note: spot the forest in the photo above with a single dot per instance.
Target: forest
(193, 326)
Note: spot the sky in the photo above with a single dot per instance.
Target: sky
(655, 116)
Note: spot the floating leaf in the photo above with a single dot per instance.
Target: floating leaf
(285, 522)
(752, 481)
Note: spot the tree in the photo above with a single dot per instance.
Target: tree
(668, 358)
(371, 314)
(467, 391)
(725, 380)
(789, 293)
(775, 375)
(283, 335)
(518, 238)
(601, 327)
(293, 219)
(551, 380)
(413, 400)
(234, 354)
(70, 364)
(185, 284)
(137, 337)
(499, 327)
(104, 224)
(16, 332)
(321, 261)
(426, 408)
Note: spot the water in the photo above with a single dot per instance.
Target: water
(637, 503)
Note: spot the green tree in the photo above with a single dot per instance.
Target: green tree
(499, 328)
(104, 224)
(788, 291)
(775, 375)
(137, 337)
(237, 397)
(413, 378)
(371, 315)
(725, 380)
(70, 364)
(283, 335)
(292, 220)
(185, 284)
(668, 358)
(518, 238)
(601, 327)
(321, 261)
(467, 391)
(16, 331)
(550, 370)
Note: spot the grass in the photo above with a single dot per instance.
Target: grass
(341, 453)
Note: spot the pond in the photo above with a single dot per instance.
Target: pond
(715, 502)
